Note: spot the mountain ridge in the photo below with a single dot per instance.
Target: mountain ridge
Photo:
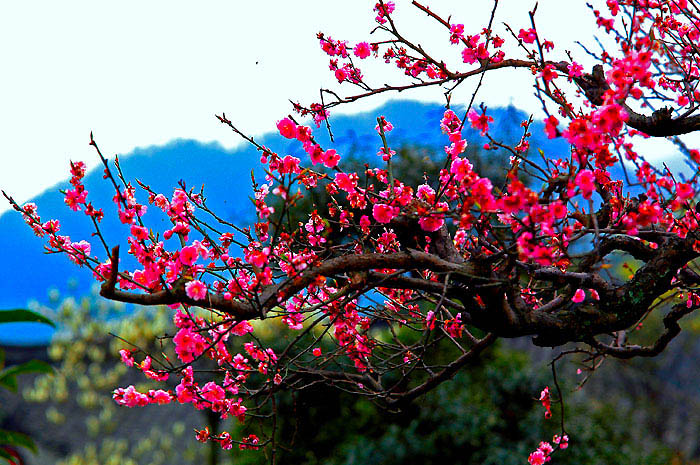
(225, 173)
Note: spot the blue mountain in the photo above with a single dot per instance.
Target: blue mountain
(30, 274)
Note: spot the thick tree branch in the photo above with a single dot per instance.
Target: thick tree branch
(624, 308)
(661, 123)
(273, 295)
(237, 309)
(672, 330)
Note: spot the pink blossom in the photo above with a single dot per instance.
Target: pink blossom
(450, 122)
(213, 392)
(585, 180)
(364, 224)
(130, 397)
(563, 441)
(461, 168)
(317, 351)
(550, 127)
(431, 222)
(479, 121)
(574, 69)
(225, 441)
(159, 396)
(684, 191)
(579, 296)
(196, 290)
(384, 213)
(386, 125)
(425, 192)
(287, 128)
(188, 344)
(546, 448)
(468, 55)
(454, 326)
(546, 402)
(188, 255)
(383, 10)
(527, 35)
(251, 441)
(346, 182)
(386, 155)
(77, 170)
(315, 152)
(537, 458)
(257, 257)
(481, 192)
(331, 158)
(610, 118)
(303, 133)
(361, 50)
(184, 393)
(79, 251)
(202, 435)
(289, 165)
(139, 232)
(457, 147)
(242, 328)
(51, 226)
(430, 320)
(456, 33)
(75, 197)
(126, 357)
(549, 73)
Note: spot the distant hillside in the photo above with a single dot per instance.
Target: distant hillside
(30, 274)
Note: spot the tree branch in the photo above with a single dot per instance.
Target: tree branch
(447, 373)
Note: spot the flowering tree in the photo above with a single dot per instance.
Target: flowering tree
(454, 259)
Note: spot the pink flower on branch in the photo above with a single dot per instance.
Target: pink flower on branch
(501, 258)
(579, 296)
(479, 121)
(527, 35)
(383, 213)
(196, 290)
(361, 50)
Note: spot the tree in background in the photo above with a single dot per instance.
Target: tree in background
(455, 260)
(75, 401)
(487, 415)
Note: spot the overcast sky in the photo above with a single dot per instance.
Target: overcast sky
(140, 73)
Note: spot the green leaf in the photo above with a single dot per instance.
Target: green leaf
(8, 376)
(9, 459)
(9, 382)
(13, 438)
(20, 315)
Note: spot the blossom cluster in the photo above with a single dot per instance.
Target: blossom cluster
(321, 269)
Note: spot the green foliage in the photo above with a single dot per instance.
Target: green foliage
(488, 414)
(20, 315)
(8, 378)
(17, 439)
(86, 353)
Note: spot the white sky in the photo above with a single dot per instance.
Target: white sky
(140, 73)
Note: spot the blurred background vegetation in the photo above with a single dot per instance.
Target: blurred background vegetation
(488, 414)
